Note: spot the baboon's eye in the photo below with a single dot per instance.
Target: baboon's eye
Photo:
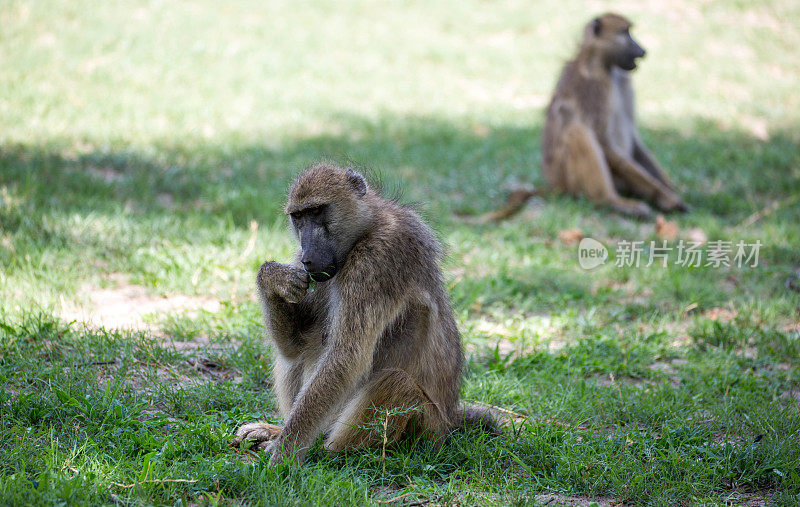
(295, 214)
(316, 211)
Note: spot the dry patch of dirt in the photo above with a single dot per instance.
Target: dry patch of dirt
(125, 305)
(392, 495)
(793, 327)
(611, 381)
(629, 294)
(149, 374)
(722, 438)
(792, 394)
(501, 336)
(558, 499)
(105, 173)
(543, 333)
(721, 314)
(669, 368)
(751, 499)
(214, 369)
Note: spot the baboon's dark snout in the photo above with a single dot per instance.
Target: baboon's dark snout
(638, 51)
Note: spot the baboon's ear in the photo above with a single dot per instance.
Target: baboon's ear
(597, 26)
(357, 182)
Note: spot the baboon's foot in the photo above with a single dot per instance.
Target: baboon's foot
(264, 435)
(671, 202)
(632, 207)
(682, 207)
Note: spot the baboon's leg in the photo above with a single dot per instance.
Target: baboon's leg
(588, 173)
(642, 155)
(288, 381)
(364, 421)
(642, 183)
(263, 434)
(621, 185)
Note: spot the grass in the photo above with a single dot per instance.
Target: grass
(146, 149)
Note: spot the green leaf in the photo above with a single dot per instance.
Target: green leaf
(63, 397)
(146, 459)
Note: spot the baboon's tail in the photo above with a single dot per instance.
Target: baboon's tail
(517, 198)
(474, 417)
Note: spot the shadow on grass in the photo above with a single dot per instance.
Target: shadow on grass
(195, 191)
(453, 167)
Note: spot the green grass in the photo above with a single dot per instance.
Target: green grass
(147, 147)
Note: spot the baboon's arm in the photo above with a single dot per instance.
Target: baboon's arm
(642, 155)
(363, 310)
(281, 318)
(635, 175)
(281, 324)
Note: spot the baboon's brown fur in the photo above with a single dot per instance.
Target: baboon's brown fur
(591, 145)
(377, 337)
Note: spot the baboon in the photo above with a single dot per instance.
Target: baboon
(373, 336)
(591, 145)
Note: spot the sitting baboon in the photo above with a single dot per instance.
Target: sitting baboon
(591, 145)
(375, 335)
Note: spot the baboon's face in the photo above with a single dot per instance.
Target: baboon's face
(316, 241)
(327, 217)
(626, 49)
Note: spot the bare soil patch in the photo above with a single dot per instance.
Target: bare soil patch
(751, 499)
(546, 334)
(558, 499)
(127, 306)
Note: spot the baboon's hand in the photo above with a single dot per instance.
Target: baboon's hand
(283, 280)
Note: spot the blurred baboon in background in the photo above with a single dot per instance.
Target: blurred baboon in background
(591, 145)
